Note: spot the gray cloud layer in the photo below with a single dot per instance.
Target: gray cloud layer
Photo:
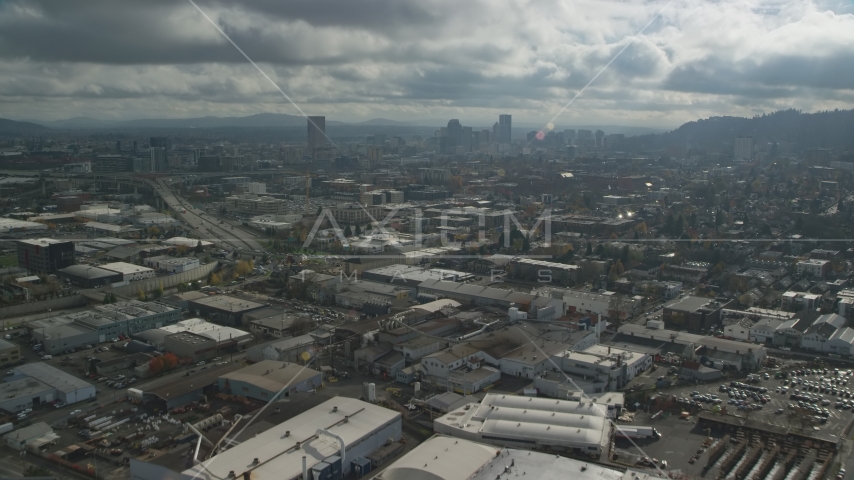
(407, 59)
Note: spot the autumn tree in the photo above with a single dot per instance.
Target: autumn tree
(155, 366)
(215, 279)
(169, 361)
(243, 267)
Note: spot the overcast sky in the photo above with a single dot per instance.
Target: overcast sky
(353, 60)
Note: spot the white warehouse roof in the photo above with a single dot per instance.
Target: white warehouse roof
(277, 457)
(521, 421)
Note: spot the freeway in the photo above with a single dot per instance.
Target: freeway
(237, 238)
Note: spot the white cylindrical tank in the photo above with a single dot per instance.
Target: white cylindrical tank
(417, 388)
(372, 392)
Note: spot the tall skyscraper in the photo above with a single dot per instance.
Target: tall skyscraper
(743, 148)
(158, 159)
(316, 134)
(454, 135)
(505, 123)
(162, 142)
(600, 139)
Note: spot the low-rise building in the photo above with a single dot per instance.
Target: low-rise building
(531, 423)
(692, 313)
(22, 437)
(67, 387)
(223, 309)
(9, 353)
(100, 324)
(292, 349)
(129, 271)
(165, 263)
(87, 276)
(612, 366)
(269, 379)
(191, 346)
(814, 267)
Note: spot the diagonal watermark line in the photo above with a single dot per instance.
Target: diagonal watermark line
(602, 70)
(586, 397)
(203, 467)
(262, 72)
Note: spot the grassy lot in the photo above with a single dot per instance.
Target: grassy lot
(9, 260)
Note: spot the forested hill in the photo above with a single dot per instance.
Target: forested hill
(829, 129)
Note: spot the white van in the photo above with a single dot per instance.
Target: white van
(46, 357)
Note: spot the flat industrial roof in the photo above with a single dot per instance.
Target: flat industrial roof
(125, 268)
(197, 381)
(85, 271)
(272, 375)
(42, 241)
(56, 378)
(529, 418)
(227, 303)
(204, 328)
(441, 457)
(22, 387)
(277, 455)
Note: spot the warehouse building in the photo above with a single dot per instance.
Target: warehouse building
(542, 308)
(448, 458)
(186, 388)
(191, 345)
(700, 348)
(9, 353)
(21, 392)
(290, 349)
(45, 255)
(531, 423)
(265, 379)
(35, 434)
(129, 271)
(412, 275)
(338, 426)
(34, 384)
(223, 309)
(103, 322)
(165, 263)
(87, 276)
(228, 339)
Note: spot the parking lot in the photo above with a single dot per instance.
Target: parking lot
(821, 400)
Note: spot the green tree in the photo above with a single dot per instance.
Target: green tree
(199, 247)
(589, 250)
(347, 232)
(358, 230)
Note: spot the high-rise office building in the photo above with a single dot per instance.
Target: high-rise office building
(569, 135)
(743, 148)
(466, 139)
(157, 157)
(162, 142)
(600, 139)
(505, 123)
(453, 137)
(316, 134)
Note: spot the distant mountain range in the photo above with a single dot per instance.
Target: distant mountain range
(12, 128)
